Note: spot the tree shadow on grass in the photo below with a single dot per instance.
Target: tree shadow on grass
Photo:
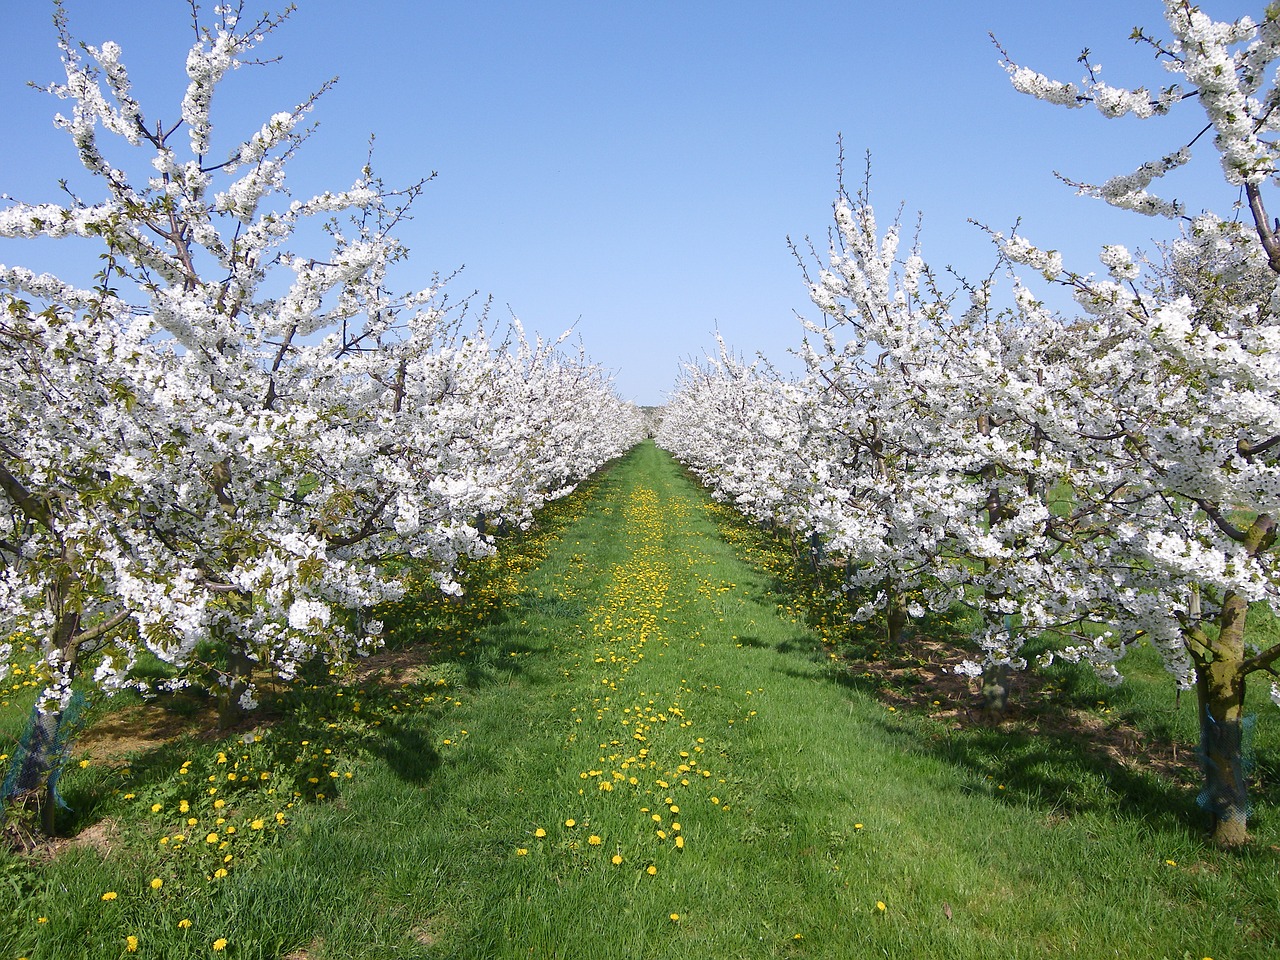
(409, 753)
(1054, 748)
(785, 647)
(300, 744)
(1064, 773)
(1051, 756)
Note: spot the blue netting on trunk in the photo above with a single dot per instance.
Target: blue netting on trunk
(1225, 794)
(42, 751)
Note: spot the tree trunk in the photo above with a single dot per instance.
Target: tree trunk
(1220, 684)
(49, 805)
(239, 666)
(995, 688)
(895, 616)
(62, 637)
(236, 682)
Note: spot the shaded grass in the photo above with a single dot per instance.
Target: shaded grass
(627, 639)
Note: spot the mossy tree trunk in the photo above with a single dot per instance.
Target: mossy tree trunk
(1220, 686)
(1223, 664)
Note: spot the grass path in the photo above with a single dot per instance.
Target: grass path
(648, 760)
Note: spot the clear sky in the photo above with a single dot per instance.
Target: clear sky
(635, 168)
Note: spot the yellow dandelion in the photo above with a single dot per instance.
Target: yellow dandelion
(616, 859)
(571, 822)
(522, 851)
(594, 840)
(652, 870)
(539, 833)
(131, 944)
(880, 906)
(679, 843)
(109, 895)
(184, 923)
(675, 918)
(156, 883)
(220, 944)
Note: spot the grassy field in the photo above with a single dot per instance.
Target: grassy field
(640, 737)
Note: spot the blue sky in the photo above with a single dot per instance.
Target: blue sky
(636, 168)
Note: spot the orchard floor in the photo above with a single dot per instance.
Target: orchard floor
(621, 747)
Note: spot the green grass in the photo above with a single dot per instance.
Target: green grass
(638, 634)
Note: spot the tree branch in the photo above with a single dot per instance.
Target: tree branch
(1265, 233)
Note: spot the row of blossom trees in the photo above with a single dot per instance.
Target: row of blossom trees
(1112, 475)
(221, 450)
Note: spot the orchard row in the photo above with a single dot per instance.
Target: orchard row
(226, 451)
(1103, 476)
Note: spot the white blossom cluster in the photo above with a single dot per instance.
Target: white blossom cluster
(1226, 66)
(230, 445)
